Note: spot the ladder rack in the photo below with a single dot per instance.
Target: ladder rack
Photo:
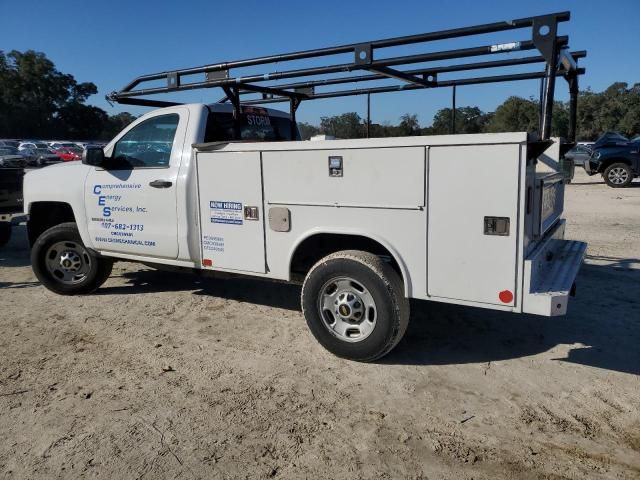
(370, 64)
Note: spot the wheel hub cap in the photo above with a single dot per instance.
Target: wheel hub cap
(618, 175)
(347, 309)
(68, 262)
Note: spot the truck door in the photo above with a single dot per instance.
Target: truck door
(131, 199)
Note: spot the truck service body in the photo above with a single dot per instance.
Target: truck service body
(367, 223)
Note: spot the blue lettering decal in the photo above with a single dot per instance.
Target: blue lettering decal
(106, 212)
(101, 201)
(96, 189)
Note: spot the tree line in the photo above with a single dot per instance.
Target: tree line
(615, 109)
(38, 101)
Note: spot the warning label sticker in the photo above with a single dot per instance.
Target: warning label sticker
(225, 212)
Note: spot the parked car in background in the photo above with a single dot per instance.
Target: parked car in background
(11, 176)
(69, 154)
(9, 143)
(616, 158)
(32, 144)
(10, 157)
(39, 154)
(579, 154)
(61, 144)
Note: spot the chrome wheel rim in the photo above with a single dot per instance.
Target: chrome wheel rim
(347, 309)
(618, 175)
(68, 262)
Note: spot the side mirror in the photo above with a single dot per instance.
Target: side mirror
(93, 156)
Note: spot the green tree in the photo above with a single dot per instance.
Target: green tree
(347, 125)
(39, 101)
(468, 120)
(115, 124)
(515, 115)
(409, 125)
(307, 130)
(630, 122)
(615, 109)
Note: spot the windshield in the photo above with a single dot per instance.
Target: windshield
(41, 145)
(9, 143)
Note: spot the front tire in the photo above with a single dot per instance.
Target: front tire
(618, 175)
(354, 305)
(64, 265)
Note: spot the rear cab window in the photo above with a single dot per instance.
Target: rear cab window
(256, 125)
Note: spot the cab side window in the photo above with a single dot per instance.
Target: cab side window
(147, 145)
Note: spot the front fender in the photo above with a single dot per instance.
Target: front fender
(61, 183)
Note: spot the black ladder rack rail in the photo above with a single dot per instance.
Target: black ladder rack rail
(552, 49)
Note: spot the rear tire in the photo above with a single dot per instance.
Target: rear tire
(354, 305)
(618, 175)
(5, 233)
(64, 265)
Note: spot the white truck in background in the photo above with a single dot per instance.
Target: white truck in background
(365, 224)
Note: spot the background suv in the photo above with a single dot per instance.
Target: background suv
(616, 158)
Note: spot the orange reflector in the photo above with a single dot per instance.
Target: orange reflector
(506, 296)
(207, 262)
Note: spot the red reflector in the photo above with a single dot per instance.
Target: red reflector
(207, 262)
(505, 296)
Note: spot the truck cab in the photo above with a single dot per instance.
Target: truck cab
(152, 155)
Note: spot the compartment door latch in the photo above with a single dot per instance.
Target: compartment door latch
(251, 213)
(496, 226)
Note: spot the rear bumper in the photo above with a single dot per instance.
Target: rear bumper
(550, 273)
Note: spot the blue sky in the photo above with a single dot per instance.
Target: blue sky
(111, 42)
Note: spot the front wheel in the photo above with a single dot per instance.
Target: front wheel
(63, 264)
(355, 306)
(618, 175)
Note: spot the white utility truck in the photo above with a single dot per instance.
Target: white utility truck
(366, 224)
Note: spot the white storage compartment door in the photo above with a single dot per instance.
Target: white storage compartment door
(466, 260)
(367, 177)
(229, 183)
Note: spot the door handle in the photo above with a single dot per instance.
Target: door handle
(160, 184)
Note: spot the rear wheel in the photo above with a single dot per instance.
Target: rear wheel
(64, 265)
(355, 306)
(618, 175)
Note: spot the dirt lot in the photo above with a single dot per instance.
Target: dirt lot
(162, 375)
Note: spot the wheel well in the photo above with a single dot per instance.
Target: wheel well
(610, 161)
(320, 245)
(44, 215)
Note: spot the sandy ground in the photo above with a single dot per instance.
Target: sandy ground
(162, 375)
